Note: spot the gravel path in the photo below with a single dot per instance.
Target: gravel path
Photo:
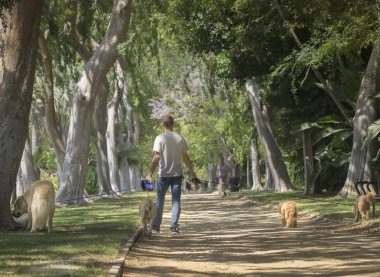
(235, 237)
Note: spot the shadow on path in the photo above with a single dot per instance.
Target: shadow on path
(231, 237)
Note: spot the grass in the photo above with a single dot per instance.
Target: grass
(85, 241)
(330, 206)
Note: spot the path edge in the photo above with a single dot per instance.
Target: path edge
(116, 269)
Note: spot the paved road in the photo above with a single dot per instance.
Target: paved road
(232, 237)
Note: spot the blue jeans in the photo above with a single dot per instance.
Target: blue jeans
(162, 187)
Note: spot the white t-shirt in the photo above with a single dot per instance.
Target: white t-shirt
(171, 146)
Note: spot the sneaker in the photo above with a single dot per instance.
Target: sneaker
(174, 231)
(155, 231)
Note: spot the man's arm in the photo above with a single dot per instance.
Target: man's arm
(153, 166)
(188, 164)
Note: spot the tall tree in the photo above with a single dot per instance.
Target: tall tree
(100, 121)
(112, 134)
(100, 126)
(75, 165)
(365, 115)
(122, 85)
(256, 176)
(273, 154)
(19, 34)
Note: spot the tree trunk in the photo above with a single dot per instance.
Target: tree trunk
(212, 180)
(51, 125)
(272, 151)
(28, 172)
(75, 165)
(35, 133)
(137, 178)
(136, 126)
(256, 185)
(100, 126)
(269, 184)
(133, 129)
(100, 122)
(231, 165)
(19, 189)
(248, 173)
(365, 114)
(36, 114)
(112, 129)
(125, 179)
(16, 78)
(308, 163)
(132, 174)
(122, 84)
(130, 119)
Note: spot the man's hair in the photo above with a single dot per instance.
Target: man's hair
(168, 121)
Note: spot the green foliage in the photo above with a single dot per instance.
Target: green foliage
(91, 185)
(239, 126)
(86, 18)
(373, 134)
(45, 159)
(6, 4)
(332, 145)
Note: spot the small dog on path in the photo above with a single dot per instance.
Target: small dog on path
(363, 205)
(148, 213)
(288, 211)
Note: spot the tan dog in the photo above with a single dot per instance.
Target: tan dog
(39, 202)
(148, 213)
(363, 205)
(288, 211)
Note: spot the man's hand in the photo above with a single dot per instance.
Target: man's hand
(149, 178)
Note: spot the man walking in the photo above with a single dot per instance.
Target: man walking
(169, 150)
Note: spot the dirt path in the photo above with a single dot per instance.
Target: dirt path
(232, 237)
